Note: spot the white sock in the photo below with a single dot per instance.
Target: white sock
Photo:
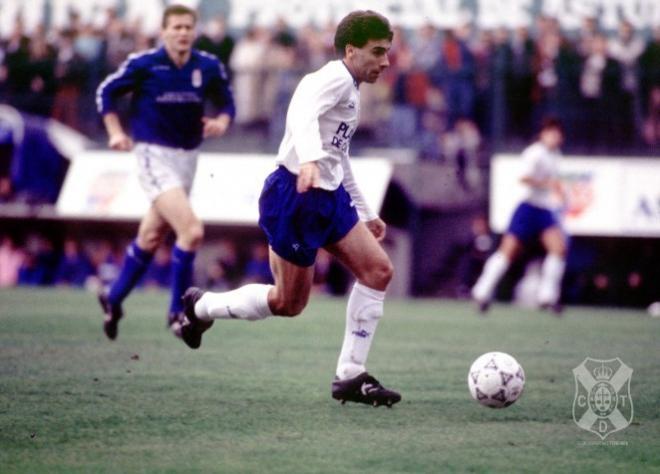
(249, 302)
(552, 273)
(364, 310)
(496, 266)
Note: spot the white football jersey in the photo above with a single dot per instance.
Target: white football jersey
(322, 117)
(540, 163)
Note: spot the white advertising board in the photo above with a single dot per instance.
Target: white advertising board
(606, 196)
(103, 185)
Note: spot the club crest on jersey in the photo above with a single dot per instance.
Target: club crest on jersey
(196, 78)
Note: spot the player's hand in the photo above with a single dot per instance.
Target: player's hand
(120, 142)
(377, 227)
(216, 127)
(309, 177)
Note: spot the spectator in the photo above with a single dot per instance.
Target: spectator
(40, 262)
(649, 66)
(11, 261)
(105, 262)
(426, 46)
(406, 97)
(600, 81)
(224, 271)
(496, 66)
(159, 273)
(16, 57)
(545, 71)
(217, 41)
(35, 85)
(651, 132)
(454, 74)
(74, 268)
(283, 73)
(519, 83)
(216, 276)
(247, 62)
(586, 34)
(312, 48)
(257, 269)
(119, 40)
(71, 76)
(626, 48)
(6, 158)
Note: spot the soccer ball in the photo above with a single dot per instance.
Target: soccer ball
(496, 380)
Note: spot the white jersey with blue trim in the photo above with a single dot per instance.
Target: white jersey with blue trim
(322, 117)
(540, 163)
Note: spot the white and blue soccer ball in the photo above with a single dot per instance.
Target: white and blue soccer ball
(496, 380)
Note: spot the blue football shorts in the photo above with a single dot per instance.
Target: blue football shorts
(529, 222)
(298, 224)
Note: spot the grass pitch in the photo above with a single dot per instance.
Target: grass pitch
(256, 396)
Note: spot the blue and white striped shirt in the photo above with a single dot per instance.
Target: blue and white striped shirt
(167, 105)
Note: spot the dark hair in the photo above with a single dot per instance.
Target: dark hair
(551, 123)
(177, 10)
(360, 26)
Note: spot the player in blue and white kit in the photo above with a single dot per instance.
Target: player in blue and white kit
(170, 86)
(312, 201)
(534, 218)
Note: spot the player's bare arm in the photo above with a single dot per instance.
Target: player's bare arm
(117, 138)
(308, 178)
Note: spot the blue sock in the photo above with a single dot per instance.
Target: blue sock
(136, 263)
(182, 271)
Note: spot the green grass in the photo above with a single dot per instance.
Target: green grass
(255, 397)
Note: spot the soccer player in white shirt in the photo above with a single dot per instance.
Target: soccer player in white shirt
(534, 218)
(312, 201)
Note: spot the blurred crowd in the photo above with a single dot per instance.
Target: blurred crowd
(447, 93)
(35, 259)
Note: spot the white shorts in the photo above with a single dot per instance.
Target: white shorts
(162, 168)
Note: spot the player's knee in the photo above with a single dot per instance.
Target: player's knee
(193, 235)
(557, 247)
(150, 240)
(559, 250)
(380, 275)
(288, 308)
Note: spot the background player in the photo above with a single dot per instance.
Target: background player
(169, 85)
(312, 201)
(533, 219)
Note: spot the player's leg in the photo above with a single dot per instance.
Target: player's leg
(288, 297)
(174, 207)
(253, 302)
(494, 268)
(136, 261)
(365, 258)
(554, 264)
